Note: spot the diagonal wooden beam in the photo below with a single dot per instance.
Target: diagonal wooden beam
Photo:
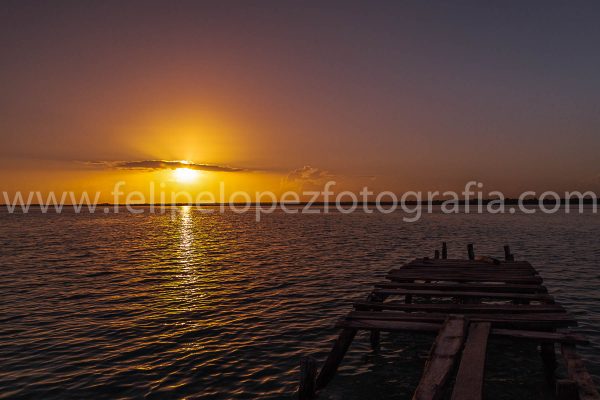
(442, 358)
(340, 347)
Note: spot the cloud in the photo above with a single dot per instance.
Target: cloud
(163, 164)
(307, 174)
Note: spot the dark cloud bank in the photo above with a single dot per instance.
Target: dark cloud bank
(162, 164)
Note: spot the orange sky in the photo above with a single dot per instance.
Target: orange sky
(394, 97)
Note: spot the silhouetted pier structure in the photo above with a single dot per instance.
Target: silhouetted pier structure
(474, 299)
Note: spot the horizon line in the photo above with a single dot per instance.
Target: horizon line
(509, 201)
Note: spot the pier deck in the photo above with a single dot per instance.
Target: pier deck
(463, 302)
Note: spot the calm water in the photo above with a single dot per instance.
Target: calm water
(219, 306)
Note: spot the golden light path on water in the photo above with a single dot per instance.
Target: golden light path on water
(189, 276)
(186, 239)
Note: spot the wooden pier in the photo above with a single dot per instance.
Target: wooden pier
(475, 299)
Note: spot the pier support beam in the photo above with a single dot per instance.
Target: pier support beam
(444, 251)
(375, 336)
(548, 354)
(375, 339)
(471, 251)
(340, 347)
(566, 389)
(308, 375)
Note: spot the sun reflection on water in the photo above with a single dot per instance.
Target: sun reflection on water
(189, 278)
(186, 234)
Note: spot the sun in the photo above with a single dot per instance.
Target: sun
(185, 175)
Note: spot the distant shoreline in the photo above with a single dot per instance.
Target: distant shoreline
(586, 201)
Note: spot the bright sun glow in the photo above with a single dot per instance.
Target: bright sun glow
(185, 175)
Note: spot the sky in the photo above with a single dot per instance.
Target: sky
(273, 95)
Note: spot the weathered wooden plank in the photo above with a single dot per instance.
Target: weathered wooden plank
(493, 287)
(441, 359)
(403, 326)
(476, 262)
(480, 315)
(544, 337)
(545, 298)
(464, 271)
(484, 271)
(522, 321)
(446, 277)
(488, 276)
(469, 266)
(471, 372)
(462, 308)
(578, 373)
(340, 347)
(462, 261)
(388, 326)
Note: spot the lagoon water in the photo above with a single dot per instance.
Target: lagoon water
(219, 306)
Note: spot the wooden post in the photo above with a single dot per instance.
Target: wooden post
(340, 347)
(548, 354)
(375, 336)
(507, 253)
(444, 251)
(308, 374)
(437, 255)
(375, 339)
(471, 251)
